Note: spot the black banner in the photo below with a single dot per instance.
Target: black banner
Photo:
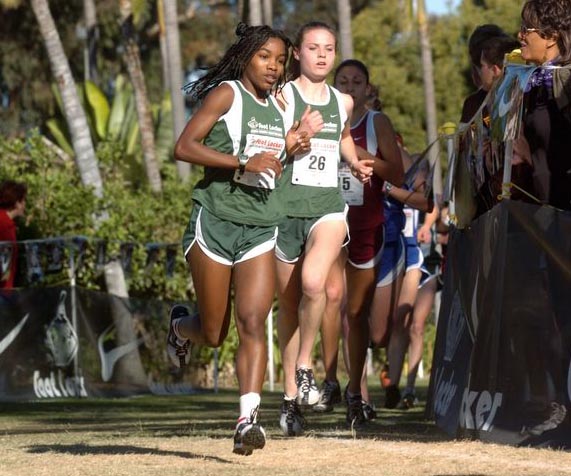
(71, 342)
(502, 361)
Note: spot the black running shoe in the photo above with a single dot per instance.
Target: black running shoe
(329, 396)
(408, 401)
(307, 391)
(249, 436)
(178, 350)
(355, 417)
(392, 396)
(292, 421)
(369, 411)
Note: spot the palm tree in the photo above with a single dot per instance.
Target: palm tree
(163, 43)
(414, 12)
(268, 12)
(429, 94)
(345, 34)
(90, 17)
(255, 7)
(133, 61)
(86, 163)
(174, 75)
(85, 157)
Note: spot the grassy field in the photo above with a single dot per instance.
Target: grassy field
(191, 435)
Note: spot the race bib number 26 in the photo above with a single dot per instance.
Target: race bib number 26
(318, 167)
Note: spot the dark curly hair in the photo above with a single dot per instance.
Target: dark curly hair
(553, 20)
(237, 57)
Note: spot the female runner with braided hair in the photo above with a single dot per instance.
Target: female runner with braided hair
(238, 135)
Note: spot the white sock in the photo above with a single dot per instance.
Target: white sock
(248, 402)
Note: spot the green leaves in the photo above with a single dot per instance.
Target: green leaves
(97, 108)
(115, 122)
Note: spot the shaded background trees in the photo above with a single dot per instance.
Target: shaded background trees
(379, 38)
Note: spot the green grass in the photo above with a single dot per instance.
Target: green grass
(207, 413)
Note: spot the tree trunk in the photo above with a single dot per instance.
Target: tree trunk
(163, 44)
(345, 34)
(92, 35)
(85, 157)
(133, 61)
(429, 97)
(268, 12)
(175, 77)
(255, 12)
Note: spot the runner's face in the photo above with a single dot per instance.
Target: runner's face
(316, 53)
(265, 67)
(351, 80)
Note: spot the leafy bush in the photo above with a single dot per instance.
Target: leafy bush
(59, 205)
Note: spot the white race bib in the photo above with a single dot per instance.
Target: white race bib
(256, 143)
(408, 231)
(318, 167)
(351, 187)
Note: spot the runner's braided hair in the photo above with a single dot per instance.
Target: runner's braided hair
(234, 62)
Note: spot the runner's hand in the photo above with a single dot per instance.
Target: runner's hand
(297, 142)
(311, 122)
(264, 162)
(362, 169)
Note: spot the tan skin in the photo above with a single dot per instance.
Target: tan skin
(360, 282)
(302, 285)
(253, 279)
(394, 302)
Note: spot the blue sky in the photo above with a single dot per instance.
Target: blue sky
(441, 6)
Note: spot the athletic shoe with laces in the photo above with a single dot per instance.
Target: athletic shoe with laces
(307, 391)
(369, 411)
(178, 349)
(249, 435)
(329, 396)
(355, 416)
(392, 396)
(557, 414)
(292, 421)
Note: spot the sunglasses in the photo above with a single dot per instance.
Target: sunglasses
(524, 30)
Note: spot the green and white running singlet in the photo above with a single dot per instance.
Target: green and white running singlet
(310, 184)
(249, 127)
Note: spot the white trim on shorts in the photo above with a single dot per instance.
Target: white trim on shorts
(374, 261)
(282, 257)
(419, 263)
(253, 253)
(392, 276)
(260, 249)
(329, 217)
